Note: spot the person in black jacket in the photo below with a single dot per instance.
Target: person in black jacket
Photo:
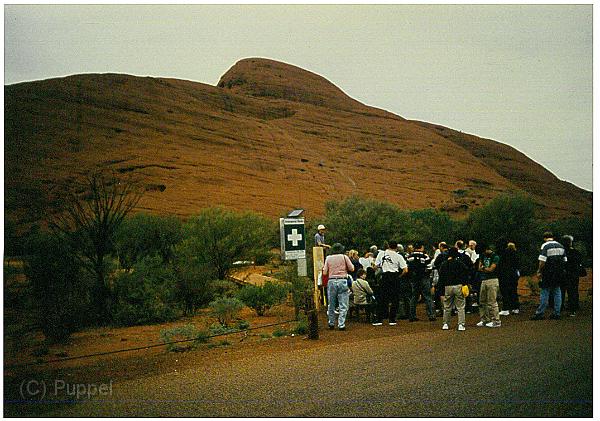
(420, 281)
(453, 275)
(573, 270)
(508, 275)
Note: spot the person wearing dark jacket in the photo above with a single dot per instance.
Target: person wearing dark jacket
(420, 281)
(453, 274)
(573, 270)
(508, 275)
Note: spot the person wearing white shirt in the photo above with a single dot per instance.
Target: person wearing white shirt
(394, 266)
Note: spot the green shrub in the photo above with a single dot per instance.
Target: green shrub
(279, 332)
(301, 327)
(225, 309)
(218, 237)
(508, 217)
(261, 298)
(243, 325)
(144, 235)
(188, 333)
(60, 287)
(147, 294)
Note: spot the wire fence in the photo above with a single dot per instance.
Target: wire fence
(20, 365)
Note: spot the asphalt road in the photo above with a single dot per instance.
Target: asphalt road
(524, 368)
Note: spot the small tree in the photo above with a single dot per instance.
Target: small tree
(60, 288)
(262, 298)
(219, 237)
(92, 214)
(144, 235)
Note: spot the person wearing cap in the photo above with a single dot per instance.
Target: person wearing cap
(551, 268)
(337, 267)
(320, 237)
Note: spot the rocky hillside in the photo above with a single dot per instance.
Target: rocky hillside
(269, 137)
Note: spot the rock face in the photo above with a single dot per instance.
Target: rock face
(270, 137)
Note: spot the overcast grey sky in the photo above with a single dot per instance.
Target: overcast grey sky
(518, 74)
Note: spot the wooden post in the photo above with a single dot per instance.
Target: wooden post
(318, 262)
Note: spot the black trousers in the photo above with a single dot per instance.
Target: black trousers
(571, 289)
(508, 289)
(387, 300)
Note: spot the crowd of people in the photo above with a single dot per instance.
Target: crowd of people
(387, 284)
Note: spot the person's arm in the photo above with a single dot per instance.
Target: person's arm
(326, 266)
(349, 265)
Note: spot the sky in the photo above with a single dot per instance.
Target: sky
(518, 74)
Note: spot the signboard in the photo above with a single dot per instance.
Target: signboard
(293, 239)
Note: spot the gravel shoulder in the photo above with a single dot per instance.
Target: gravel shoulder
(524, 368)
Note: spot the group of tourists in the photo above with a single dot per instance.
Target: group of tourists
(458, 279)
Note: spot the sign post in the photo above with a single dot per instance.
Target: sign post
(293, 242)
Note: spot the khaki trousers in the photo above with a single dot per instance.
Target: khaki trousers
(488, 305)
(454, 295)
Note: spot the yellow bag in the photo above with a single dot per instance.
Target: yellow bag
(465, 290)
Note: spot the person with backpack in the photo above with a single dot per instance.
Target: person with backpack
(551, 270)
(393, 268)
(420, 281)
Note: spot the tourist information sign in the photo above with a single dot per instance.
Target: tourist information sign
(293, 239)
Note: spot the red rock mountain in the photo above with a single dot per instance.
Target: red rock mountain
(269, 137)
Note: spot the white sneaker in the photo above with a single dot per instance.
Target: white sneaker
(515, 311)
(480, 324)
(393, 323)
(377, 324)
(504, 313)
(461, 327)
(445, 327)
(493, 324)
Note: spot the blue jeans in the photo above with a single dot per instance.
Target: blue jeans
(337, 294)
(545, 296)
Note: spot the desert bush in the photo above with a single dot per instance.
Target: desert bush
(279, 332)
(508, 217)
(301, 326)
(194, 284)
(147, 294)
(218, 329)
(144, 235)
(301, 288)
(224, 288)
(359, 222)
(262, 297)
(189, 333)
(60, 287)
(226, 309)
(218, 237)
(92, 213)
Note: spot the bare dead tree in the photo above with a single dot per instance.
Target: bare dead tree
(93, 211)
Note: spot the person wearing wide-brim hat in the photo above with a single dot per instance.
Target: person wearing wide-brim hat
(337, 266)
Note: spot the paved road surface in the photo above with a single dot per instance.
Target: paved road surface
(524, 368)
